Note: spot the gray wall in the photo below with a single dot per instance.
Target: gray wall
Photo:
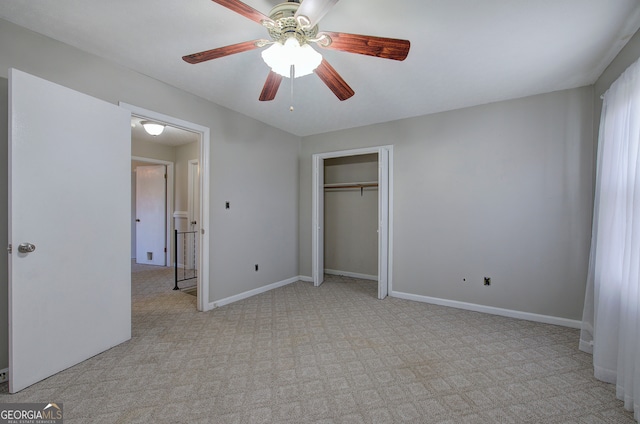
(184, 154)
(150, 150)
(351, 216)
(502, 190)
(252, 164)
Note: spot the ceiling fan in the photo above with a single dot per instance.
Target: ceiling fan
(292, 27)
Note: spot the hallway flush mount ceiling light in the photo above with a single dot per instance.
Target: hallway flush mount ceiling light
(152, 128)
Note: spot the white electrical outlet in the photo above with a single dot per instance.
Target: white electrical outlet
(4, 375)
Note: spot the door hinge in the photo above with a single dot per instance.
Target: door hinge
(10, 249)
(165, 250)
(165, 176)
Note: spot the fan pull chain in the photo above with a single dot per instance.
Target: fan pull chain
(292, 74)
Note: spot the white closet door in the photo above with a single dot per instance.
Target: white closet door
(383, 223)
(318, 221)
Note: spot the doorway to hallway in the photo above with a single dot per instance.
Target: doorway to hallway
(180, 144)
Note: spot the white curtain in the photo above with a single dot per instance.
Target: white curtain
(611, 319)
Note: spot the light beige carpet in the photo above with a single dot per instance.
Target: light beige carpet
(333, 354)
(193, 291)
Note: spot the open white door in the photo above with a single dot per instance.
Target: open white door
(69, 168)
(318, 221)
(383, 220)
(151, 191)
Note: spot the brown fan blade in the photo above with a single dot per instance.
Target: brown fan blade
(386, 48)
(314, 10)
(270, 87)
(334, 81)
(244, 10)
(221, 52)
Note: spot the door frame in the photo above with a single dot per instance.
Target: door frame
(190, 191)
(204, 159)
(385, 214)
(192, 214)
(169, 196)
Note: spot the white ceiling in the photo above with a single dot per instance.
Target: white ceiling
(463, 52)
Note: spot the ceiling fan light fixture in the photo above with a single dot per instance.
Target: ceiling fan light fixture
(279, 57)
(152, 128)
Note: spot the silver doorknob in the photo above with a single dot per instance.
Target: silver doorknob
(26, 247)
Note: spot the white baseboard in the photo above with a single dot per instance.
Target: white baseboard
(305, 278)
(586, 346)
(351, 274)
(546, 319)
(253, 292)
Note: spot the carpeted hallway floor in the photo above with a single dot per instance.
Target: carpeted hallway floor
(333, 354)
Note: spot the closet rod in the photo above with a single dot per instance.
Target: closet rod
(350, 186)
(341, 186)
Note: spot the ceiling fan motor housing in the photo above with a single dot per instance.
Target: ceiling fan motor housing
(285, 25)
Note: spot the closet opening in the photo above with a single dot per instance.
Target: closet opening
(351, 215)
